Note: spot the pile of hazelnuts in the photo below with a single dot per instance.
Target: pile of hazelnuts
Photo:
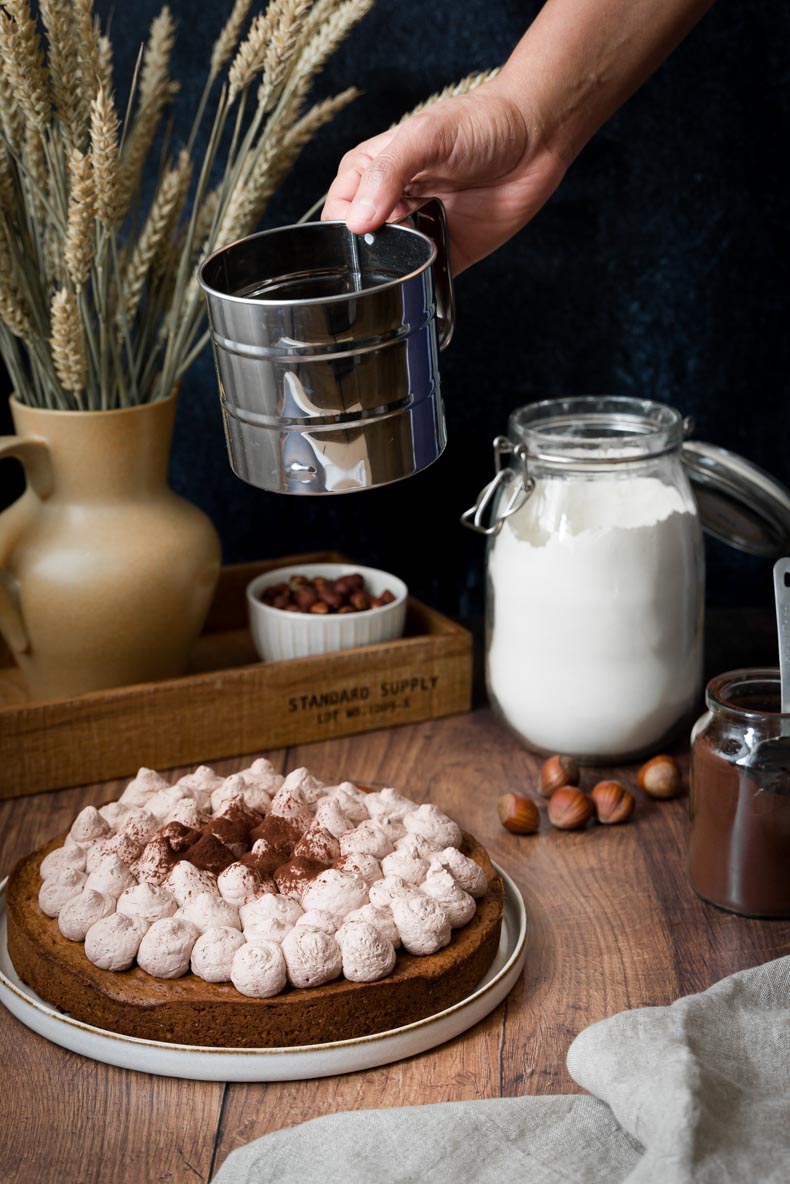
(318, 595)
(569, 808)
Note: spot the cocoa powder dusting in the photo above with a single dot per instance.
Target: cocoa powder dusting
(238, 811)
(280, 833)
(178, 836)
(210, 855)
(291, 877)
(235, 835)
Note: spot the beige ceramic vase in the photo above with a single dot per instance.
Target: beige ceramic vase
(106, 575)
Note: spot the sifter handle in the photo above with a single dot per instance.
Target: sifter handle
(430, 218)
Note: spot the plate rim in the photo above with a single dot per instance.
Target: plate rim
(513, 895)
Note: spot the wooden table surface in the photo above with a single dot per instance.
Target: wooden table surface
(613, 924)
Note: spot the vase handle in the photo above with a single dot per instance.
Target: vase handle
(35, 458)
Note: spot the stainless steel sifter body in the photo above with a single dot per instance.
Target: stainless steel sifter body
(326, 348)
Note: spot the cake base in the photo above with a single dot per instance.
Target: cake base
(190, 1011)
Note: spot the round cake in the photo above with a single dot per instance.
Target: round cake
(254, 911)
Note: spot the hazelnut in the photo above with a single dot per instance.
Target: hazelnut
(305, 598)
(660, 777)
(569, 809)
(360, 600)
(330, 598)
(612, 801)
(556, 772)
(518, 814)
(320, 595)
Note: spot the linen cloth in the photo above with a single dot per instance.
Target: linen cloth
(695, 1092)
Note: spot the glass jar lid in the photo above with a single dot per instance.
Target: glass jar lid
(596, 431)
(739, 503)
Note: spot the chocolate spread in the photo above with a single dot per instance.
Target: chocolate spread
(739, 854)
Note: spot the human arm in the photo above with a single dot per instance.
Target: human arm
(495, 155)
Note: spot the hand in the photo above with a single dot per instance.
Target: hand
(495, 155)
(475, 152)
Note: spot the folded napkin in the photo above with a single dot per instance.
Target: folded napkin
(698, 1091)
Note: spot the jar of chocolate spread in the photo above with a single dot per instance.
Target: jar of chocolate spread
(740, 796)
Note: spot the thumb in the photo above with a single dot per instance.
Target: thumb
(386, 178)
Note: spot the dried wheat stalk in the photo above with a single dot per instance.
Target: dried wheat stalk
(104, 65)
(66, 342)
(268, 170)
(13, 121)
(105, 159)
(156, 90)
(80, 241)
(7, 195)
(13, 311)
(89, 56)
(63, 60)
(24, 63)
(163, 214)
(99, 306)
(324, 40)
(248, 61)
(37, 172)
(228, 38)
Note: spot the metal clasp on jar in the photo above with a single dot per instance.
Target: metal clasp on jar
(505, 476)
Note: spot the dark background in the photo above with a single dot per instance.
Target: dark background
(659, 269)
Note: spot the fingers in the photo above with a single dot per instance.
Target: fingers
(343, 189)
(373, 179)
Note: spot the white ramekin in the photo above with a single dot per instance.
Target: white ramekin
(278, 634)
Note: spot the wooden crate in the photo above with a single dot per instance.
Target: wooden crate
(229, 703)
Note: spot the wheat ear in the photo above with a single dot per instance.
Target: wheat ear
(7, 189)
(229, 37)
(25, 65)
(153, 240)
(105, 160)
(38, 170)
(13, 311)
(317, 48)
(64, 69)
(88, 51)
(66, 342)
(248, 61)
(24, 61)
(155, 91)
(80, 239)
(269, 46)
(104, 65)
(281, 48)
(11, 118)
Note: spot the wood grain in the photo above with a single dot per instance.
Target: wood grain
(231, 702)
(613, 923)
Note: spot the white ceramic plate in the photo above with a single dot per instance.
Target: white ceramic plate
(273, 1064)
